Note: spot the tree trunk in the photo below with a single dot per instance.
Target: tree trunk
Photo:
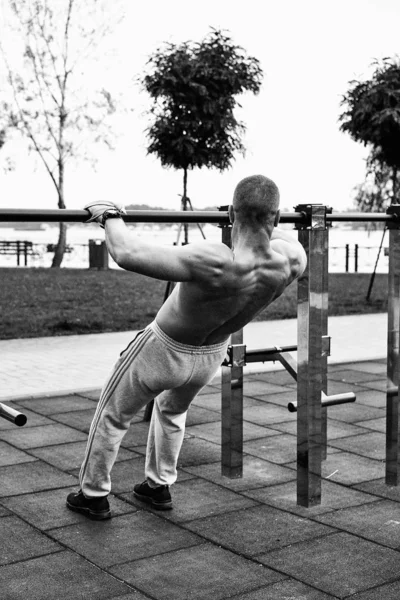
(62, 236)
(184, 205)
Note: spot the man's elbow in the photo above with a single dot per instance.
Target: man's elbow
(120, 256)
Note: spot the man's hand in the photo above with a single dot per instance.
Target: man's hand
(97, 208)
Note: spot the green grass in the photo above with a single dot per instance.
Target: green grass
(47, 302)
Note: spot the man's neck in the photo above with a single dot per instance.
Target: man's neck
(245, 235)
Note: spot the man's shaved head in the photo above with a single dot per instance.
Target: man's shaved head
(256, 200)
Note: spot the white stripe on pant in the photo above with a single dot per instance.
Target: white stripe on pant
(153, 366)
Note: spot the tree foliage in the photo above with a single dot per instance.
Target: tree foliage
(375, 194)
(51, 103)
(371, 115)
(194, 88)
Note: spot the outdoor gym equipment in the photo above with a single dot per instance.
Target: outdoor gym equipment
(312, 222)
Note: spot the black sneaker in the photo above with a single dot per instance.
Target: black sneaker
(159, 497)
(94, 508)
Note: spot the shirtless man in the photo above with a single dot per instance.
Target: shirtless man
(220, 290)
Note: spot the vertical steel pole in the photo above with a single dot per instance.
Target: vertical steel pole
(392, 402)
(325, 351)
(232, 398)
(309, 356)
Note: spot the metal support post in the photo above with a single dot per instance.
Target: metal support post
(232, 396)
(310, 327)
(325, 352)
(232, 411)
(392, 400)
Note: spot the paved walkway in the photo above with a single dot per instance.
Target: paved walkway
(56, 365)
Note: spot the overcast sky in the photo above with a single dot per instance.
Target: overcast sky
(309, 50)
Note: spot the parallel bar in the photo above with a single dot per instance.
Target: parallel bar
(173, 216)
(347, 217)
(132, 216)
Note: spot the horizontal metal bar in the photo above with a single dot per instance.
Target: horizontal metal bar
(133, 216)
(170, 216)
(267, 354)
(328, 400)
(347, 217)
(8, 413)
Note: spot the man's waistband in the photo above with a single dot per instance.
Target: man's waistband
(186, 348)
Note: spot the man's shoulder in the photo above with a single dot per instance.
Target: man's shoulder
(293, 253)
(209, 250)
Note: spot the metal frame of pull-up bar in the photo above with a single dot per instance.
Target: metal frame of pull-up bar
(299, 217)
(312, 222)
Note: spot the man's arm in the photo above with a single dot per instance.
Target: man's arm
(193, 262)
(285, 243)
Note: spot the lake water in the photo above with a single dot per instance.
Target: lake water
(79, 235)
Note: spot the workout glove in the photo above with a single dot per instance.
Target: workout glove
(97, 208)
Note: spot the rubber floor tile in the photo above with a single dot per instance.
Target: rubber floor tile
(57, 404)
(12, 456)
(199, 573)
(196, 452)
(378, 522)
(20, 541)
(256, 473)
(257, 530)
(339, 564)
(70, 456)
(32, 477)
(212, 431)
(390, 591)
(77, 419)
(379, 488)
(124, 538)
(370, 445)
(352, 376)
(60, 576)
(195, 499)
(333, 497)
(47, 510)
(286, 590)
(279, 449)
(46, 435)
(354, 413)
(349, 469)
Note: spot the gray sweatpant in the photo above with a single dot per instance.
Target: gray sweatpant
(152, 366)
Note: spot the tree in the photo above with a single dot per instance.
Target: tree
(194, 87)
(376, 193)
(372, 116)
(51, 103)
